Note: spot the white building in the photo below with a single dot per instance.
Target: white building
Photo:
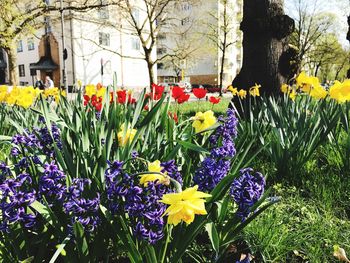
(199, 23)
(96, 50)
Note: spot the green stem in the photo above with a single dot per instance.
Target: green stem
(170, 227)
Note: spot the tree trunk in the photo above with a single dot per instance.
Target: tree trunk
(265, 46)
(222, 69)
(150, 66)
(12, 62)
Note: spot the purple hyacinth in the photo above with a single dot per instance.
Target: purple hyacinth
(52, 184)
(172, 170)
(80, 209)
(214, 168)
(140, 203)
(210, 173)
(247, 190)
(134, 154)
(40, 138)
(17, 195)
(4, 172)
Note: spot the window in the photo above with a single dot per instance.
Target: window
(161, 50)
(186, 7)
(136, 15)
(21, 70)
(161, 36)
(20, 46)
(160, 66)
(135, 43)
(185, 21)
(103, 39)
(103, 12)
(30, 43)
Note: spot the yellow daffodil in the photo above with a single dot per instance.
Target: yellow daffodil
(185, 205)
(125, 136)
(203, 121)
(3, 93)
(101, 92)
(242, 93)
(285, 88)
(292, 95)
(254, 91)
(340, 91)
(156, 168)
(90, 90)
(318, 92)
(233, 90)
(306, 82)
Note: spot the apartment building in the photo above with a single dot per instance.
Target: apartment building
(198, 30)
(98, 43)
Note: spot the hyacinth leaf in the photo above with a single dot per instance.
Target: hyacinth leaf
(138, 108)
(151, 113)
(183, 237)
(213, 236)
(124, 235)
(44, 212)
(192, 146)
(5, 138)
(60, 249)
(82, 246)
(222, 209)
(27, 260)
(232, 234)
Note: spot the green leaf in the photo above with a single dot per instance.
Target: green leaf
(60, 248)
(213, 236)
(82, 246)
(192, 146)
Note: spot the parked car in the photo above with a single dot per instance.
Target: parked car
(211, 88)
(197, 86)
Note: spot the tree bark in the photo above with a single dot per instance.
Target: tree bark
(12, 62)
(265, 46)
(150, 66)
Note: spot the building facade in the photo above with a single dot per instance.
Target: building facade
(97, 50)
(202, 25)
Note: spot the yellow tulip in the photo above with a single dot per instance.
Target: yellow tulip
(185, 205)
(203, 121)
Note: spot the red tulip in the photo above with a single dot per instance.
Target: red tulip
(86, 100)
(173, 115)
(214, 100)
(157, 91)
(177, 92)
(199, 92)
(121, 96)
(184, 97)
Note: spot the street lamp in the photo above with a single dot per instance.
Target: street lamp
(64, 50)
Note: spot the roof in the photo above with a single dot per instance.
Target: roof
(44, 63)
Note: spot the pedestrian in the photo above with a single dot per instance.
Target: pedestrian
(48, 82)
(39, 83)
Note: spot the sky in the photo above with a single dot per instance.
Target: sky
(341, 8)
